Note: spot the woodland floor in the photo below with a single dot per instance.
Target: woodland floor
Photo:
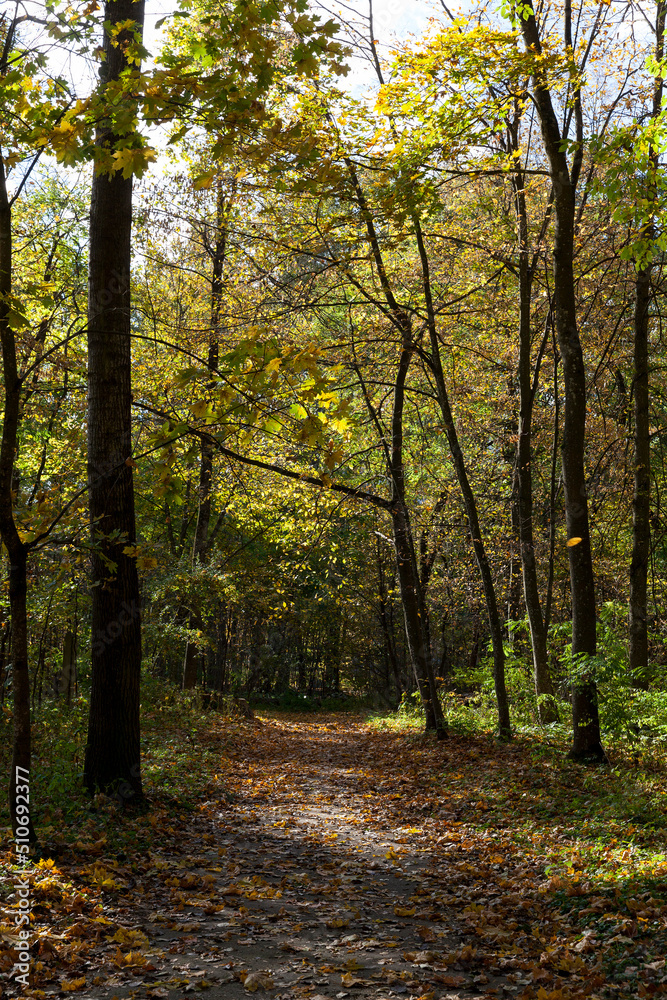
(325, 858)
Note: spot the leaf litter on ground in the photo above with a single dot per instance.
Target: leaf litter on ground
(323, 857)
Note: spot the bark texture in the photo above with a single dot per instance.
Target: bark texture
(586, 743)
(16, 550)
(412, 597)
(112, 761)
(544, 690)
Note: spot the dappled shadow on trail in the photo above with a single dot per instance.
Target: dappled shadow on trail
(331, 860)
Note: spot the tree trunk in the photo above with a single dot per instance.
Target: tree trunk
(413, 611)
(112, 761)
(390, 650)
(16, 549)
(20, 680)
(470, 504)
(457, 455)
(495, 624)
(641, 499)
(65, 677)
(199, 549)
(412, 598)
(544, 690)
(586, 743)
(553, 492)
(406, 559)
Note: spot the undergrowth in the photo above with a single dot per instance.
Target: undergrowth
(181, 745)
(590, 820)
(603, 830)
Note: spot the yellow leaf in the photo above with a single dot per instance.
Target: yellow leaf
(73, 984)
(347, 979)
(125, 936)
(543, 994)
(401, 911)
(200, 408)
(132, 161)
(573, 541)
(352, 965)
(146, 562)
(203, 181)
(135, 958)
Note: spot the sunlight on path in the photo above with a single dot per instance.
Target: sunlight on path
(331, 864)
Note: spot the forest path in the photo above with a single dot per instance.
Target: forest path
(325, 840)
(333, 861)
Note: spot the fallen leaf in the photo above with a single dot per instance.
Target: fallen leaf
(258, 981)
(132, 937)
(450, 978)
(347, 979)
(73, 984)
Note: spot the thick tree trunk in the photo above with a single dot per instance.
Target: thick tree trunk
(641, 499)
(586, 726)
(586, 743)
(16, 549)
(112, 761)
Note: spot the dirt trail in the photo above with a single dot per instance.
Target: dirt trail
(326, 867)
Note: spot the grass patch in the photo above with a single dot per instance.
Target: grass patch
(181, 751)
